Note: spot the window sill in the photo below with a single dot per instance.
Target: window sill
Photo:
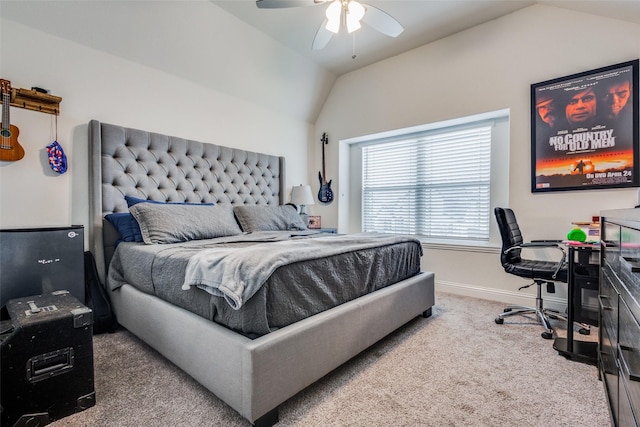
(461, 245)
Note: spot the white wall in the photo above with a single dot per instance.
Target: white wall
(196, 40)
(486, 68)
(98, 85)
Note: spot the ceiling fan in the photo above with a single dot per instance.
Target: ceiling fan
(348, 13)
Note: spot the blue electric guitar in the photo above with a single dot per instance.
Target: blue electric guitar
(325, 195)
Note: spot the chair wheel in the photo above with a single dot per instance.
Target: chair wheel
(552, 316)
(546, 335)
(499, 320)
(506, 310)
(584, 331)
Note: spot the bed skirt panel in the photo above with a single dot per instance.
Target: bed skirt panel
(255, 376)
(207, 351)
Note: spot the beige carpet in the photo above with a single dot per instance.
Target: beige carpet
(457, 368)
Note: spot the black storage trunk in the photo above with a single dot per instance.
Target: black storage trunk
(46, 349)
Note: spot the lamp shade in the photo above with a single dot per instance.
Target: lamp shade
(301, 195)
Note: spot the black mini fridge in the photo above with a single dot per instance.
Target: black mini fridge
(35, 261)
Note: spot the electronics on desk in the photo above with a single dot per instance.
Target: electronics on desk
(590, 228)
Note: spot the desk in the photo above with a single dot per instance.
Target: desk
(583, 277)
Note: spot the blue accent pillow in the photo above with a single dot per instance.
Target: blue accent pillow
(126, 225)
(132, 201)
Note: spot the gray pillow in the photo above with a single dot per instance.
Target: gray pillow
(268, 218)
(172, 223)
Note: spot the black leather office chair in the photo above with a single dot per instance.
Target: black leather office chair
(540, 272)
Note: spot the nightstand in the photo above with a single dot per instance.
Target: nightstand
(328, 230)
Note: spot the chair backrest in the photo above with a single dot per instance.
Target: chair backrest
(511, 235)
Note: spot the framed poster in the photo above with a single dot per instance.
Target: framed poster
(584, 130)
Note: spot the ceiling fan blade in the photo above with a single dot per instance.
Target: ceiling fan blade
(322, 37)
(381, 21)
(277, 4)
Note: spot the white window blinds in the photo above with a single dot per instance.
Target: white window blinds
(435, 185)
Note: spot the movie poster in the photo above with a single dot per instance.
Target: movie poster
(585, 130)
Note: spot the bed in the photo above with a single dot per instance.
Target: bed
(253, 370)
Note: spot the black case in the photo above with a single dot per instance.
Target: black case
(46, 350)
(96, 298)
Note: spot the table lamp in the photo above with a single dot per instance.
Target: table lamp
(301, 196)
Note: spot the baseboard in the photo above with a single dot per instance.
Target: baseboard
(500, 295)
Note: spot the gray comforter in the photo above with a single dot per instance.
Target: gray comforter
(236, 273)
(291, 293)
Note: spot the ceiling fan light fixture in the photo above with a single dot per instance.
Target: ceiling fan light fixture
(333, 26)
(334, 11)
(355, 10)
(352, 24)
(355, 13)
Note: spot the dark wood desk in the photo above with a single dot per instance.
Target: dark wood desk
(583, 275)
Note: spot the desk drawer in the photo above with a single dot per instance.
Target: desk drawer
(625, 411)
(630, 276)
(608, 299)
(609, 276)
(609, 369)
(629, 353)
(608, 354)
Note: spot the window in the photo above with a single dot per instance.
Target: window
(439, 181)
(436, 185)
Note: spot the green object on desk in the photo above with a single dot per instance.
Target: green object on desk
(577, 235)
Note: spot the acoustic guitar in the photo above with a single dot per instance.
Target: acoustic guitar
(325, 195)
(10, 148)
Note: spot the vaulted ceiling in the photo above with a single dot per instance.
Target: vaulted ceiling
(264, 55)
(424, 21)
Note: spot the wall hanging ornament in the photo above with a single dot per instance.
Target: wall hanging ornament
(57, 158)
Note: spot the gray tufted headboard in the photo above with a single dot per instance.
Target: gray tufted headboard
(130, 162)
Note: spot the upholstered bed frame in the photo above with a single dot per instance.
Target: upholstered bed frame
(252, 376)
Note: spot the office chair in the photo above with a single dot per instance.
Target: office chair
(541, 272)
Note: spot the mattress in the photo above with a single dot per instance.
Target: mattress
(291, 293)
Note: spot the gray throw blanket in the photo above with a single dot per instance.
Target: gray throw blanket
(238, 273)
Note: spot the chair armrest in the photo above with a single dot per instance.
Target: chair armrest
(533, 245)
(539, 244)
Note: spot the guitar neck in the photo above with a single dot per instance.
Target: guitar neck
(324, 173)
(6, 100)
(324, 140)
